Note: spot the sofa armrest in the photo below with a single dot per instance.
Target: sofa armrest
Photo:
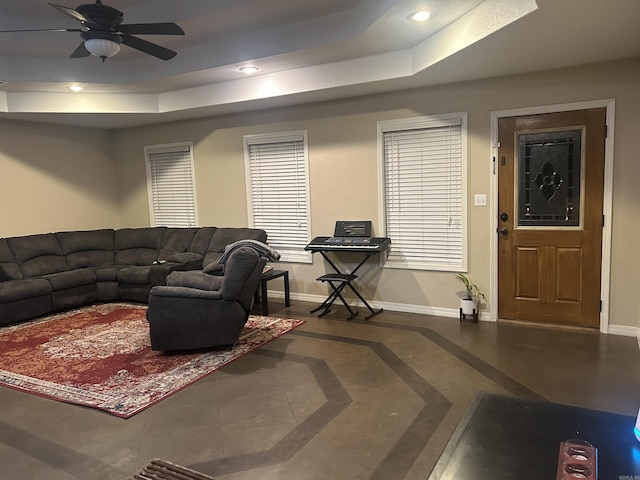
(192, 279)
(185, 292)
(214, 268)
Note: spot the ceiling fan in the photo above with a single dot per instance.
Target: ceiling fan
(102, 32)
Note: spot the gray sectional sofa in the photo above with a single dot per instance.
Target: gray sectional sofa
(50, 272)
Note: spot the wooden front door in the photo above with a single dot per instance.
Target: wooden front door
(550, 201)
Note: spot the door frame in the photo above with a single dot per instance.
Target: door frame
(605, 272)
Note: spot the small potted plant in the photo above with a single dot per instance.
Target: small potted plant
(472, 297)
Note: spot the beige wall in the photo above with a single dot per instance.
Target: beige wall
(343, 178)
(55, 178)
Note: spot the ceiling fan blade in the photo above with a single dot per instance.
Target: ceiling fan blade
(71, 12)
(151, 29)
(80, 52)
(148, 47)
(44, 30)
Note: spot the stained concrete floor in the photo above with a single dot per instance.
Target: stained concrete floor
(330, 400)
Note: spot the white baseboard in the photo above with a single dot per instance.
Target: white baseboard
(394, 307)
(622, 330)
(625, 330)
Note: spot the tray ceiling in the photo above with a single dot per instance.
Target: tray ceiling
(306, 51)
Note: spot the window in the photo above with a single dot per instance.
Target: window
(171, 185)
(421, 167)
(278, 191)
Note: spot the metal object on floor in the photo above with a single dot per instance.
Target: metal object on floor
(163, 470)
(339, 280)
(474, 316)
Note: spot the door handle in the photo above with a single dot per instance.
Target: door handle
(504, 230)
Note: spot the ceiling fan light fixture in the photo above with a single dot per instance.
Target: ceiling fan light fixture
(102, 47)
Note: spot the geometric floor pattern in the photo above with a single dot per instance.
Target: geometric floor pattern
(330, 400)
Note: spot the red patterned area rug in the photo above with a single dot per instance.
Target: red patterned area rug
(100, 357)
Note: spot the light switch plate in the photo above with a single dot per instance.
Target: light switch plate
(480, 199)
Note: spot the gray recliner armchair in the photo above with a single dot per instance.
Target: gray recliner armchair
(197, 310)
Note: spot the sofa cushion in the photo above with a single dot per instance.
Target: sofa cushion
(70, 279)
(92, 248)
(201, 240)
(136, 256)
(185, 257)
(138, 246)
(38, 254)
(138, 274)
(175, 240)
(45, 264)
(14, 290)
(32, 246)
(90, 258)
(107, 273)
(79, 241)
(145, 237)
(9, 269)
(214, 268)
(224, 236)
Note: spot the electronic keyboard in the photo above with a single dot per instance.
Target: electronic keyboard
(351, 244)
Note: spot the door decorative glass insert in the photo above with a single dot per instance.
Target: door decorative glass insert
(549, 178)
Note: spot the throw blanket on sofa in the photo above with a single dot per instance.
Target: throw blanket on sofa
(263, 250)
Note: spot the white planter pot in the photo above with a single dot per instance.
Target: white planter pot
(468, 306)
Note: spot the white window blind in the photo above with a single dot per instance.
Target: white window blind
(171, 185)
(278, 191)
(423, 192)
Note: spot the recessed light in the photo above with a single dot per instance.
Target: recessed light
(420, 16)
(75, 88)
(249, 69)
